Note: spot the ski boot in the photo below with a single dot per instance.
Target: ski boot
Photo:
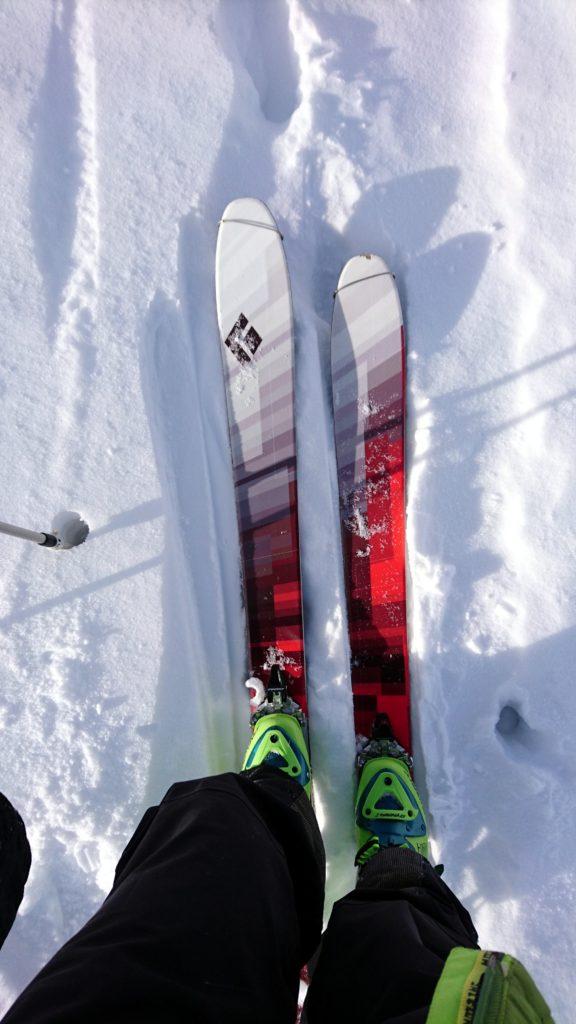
(279, 733)
(388, 809)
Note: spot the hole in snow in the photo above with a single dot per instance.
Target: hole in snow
(520, 739)
(509, 720)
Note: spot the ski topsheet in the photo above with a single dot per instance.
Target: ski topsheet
(256, 330)
(368, 383)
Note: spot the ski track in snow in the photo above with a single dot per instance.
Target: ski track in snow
(124, 661)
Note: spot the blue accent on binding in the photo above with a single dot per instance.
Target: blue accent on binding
(275, 760)
(388, 803)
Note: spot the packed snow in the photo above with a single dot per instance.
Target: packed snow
(438, 135)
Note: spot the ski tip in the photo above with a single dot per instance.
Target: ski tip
(360, 268)
(251, 211)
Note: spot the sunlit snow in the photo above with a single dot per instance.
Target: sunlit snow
(438, 135)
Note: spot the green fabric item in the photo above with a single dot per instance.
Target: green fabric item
(484, 987)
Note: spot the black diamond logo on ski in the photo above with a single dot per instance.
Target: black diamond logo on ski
(243, 343)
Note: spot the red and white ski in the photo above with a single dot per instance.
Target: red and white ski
(256, 330)
(368, 383)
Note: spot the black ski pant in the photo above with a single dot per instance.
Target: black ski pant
(216, 906)
(15, 859)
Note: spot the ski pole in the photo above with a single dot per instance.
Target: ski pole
(67, 536)
(48, 540)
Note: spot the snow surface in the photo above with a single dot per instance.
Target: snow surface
(439, 135)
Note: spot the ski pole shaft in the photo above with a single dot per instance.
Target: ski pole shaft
(47, 540)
